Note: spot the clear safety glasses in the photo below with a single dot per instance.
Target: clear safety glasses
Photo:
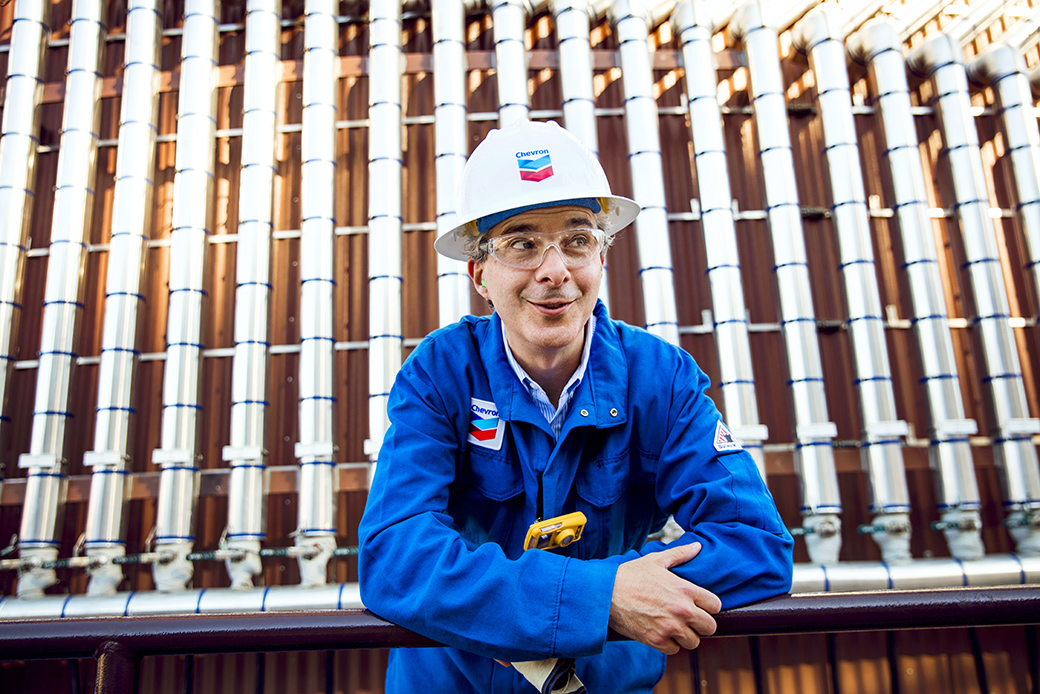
(526, 250)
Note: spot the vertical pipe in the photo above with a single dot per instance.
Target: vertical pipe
(1003, 68)
(579, 102)
(644, 145)
(246, 450)
(384, 214)
(127, 256)
(879, 48)
(40, 532)
(19, 136)
(509, 19)
(737, 380)
(814, 455)
(192, 205)
(315, 449)
(819, 35)
(941, 58)
(451, 147)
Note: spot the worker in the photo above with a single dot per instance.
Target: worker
(545, 409)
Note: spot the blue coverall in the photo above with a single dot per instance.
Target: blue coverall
(455, 491)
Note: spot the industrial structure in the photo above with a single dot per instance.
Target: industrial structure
(216, 250)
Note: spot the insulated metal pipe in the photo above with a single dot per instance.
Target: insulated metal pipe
(40, 533)
(386, 338)
(880, 49)
(819, 35)
(628, 18)
(941, 58)
(814, 455)
(127, 258)
(918, 574)
(571, 18)
(246, 450)
(451, 147)
(1003, 68)
(877, 577)
(315, 449)
(509, 20)
(19, 136)
(178, 450)
(737, 379)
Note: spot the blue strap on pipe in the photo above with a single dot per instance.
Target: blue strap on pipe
(810, 379)
(53, 413)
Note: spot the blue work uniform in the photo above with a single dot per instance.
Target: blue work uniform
(468, 462)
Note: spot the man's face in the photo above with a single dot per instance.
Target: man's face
(544, 310)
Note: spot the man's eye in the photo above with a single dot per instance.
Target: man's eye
(520, 243)
(578, 241)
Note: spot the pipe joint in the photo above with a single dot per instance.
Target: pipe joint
(1023, 519)
(963, 531)
(1024, 527)
(822, 533)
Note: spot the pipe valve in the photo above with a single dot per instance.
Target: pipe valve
(1027, 519)
(823, 529)
(894, 527)
(965, 524)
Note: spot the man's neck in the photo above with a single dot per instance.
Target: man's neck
(551, 368)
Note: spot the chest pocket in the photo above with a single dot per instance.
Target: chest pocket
(493, 475)
(618, 500)
(601, 482)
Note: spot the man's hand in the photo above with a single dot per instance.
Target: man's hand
(654, 606)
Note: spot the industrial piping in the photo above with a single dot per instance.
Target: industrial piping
(629, 20)
(178, 453)
(131, 226)
(736, 376)
(316, 525)
(878, 47)
(23, 93)
(451, 147)
(386, 339)
(1003, 68)
(941, 59)
(509, 19)
(988, 572)
(40, 532)
(246, 450)
(819, 35)
(814, 455)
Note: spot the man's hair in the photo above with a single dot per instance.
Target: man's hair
(479, 255)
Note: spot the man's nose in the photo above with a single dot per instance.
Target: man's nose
(552, 266)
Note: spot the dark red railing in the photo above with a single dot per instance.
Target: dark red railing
(118, 643)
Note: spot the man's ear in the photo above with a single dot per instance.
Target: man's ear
(476, 273)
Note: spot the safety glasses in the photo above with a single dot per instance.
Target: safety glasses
(526, 250)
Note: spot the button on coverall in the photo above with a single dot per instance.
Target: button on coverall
(455, 491)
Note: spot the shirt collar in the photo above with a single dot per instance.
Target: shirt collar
(575, 379)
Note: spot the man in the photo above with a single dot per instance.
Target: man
(546, 408)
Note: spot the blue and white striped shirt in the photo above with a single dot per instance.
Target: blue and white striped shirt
(554, 415)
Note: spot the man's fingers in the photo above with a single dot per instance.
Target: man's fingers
(674, 556)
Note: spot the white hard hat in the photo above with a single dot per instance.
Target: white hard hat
(524, 166)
